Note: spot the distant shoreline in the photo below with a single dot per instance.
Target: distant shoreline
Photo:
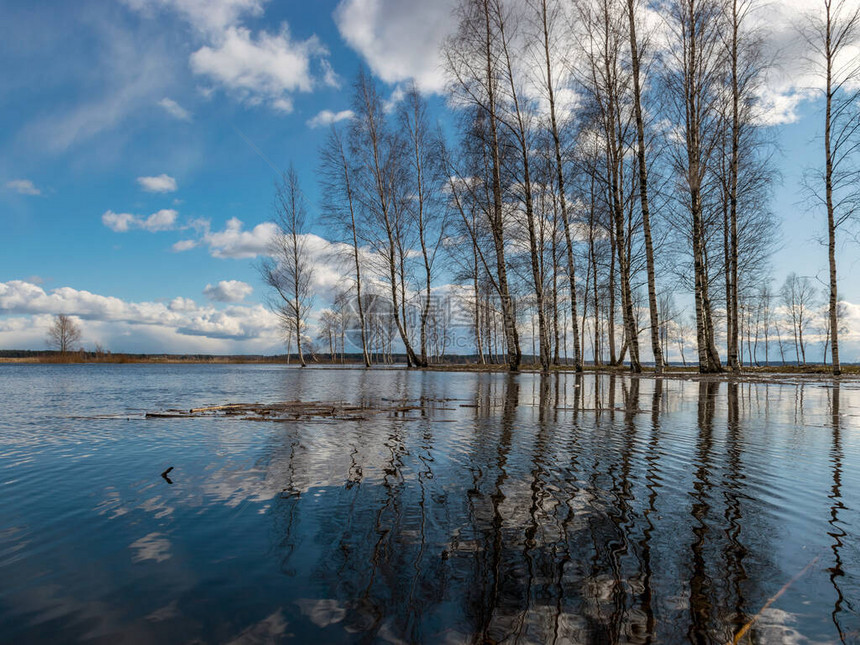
(459, 364)
(150, 360)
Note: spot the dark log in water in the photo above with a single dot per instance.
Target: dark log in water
(298, 410)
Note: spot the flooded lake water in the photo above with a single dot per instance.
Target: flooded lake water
(498, 509)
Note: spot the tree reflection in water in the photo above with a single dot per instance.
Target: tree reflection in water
(539, 509)
(837, 532)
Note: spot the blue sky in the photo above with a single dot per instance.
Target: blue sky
(129, 126)
(83, 129)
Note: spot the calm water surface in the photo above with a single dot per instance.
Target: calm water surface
(507, 509)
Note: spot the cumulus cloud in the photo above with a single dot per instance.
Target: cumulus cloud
(262, 68)
(19, 297)
(174, 109)
(183, 245)
(23, 187)
(257, 68)
(327, 117)
(163, 220)
(179, 316)
(159, 184)
(233, 241)
(399, 39)
(793, 79)
(205, 16)
(228, 291)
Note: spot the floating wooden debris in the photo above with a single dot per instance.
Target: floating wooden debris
(296, 411)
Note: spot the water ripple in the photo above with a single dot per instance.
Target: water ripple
(505, 508)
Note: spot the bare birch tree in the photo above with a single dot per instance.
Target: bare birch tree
(832, 34)
(605, 80)
(425, 181)
(636, 48)
(378, 154)
(289, 268)
(693, 82)
(799, 299)
(549, 16)
(339, 203)
(472, 58)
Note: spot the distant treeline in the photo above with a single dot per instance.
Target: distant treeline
(51, 356)
(469, 362)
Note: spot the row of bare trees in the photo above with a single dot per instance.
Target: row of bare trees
(608, 154)
(774, 326)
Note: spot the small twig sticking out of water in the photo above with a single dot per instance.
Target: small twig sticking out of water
(743, 631)
(166, 478)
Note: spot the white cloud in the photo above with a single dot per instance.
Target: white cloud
(399, 39)
(119, 222)
(793, 79)
(262, 68)
(233, 242)
(327, 117)
(163, 220)
(182, 305)
(329, 76)
(23, 187)
(258, 68)
(19, 297)
(394, 100)
(159, 184)
(183, 245)
(282, 104)
(174, 109)
(228, 291)
(206, 16)
(178, 317)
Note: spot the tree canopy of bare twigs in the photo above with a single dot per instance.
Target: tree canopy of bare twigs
(288, 269)
(64, 333)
